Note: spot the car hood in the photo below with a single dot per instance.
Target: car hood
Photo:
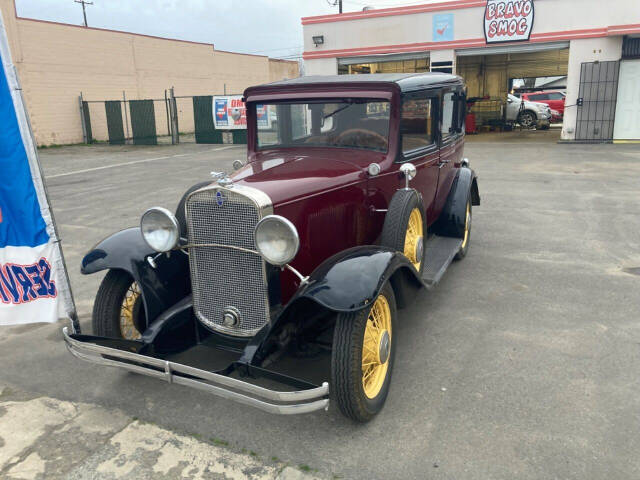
(292, 177)
(536, 105)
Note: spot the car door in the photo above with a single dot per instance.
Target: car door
(418, 144)
(556, 101)
(451, 138)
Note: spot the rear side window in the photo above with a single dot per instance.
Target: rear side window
(448, 126)
(416, 123)
(538, 97)
(556, 96)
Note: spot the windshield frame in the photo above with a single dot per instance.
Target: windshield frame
(323, 95)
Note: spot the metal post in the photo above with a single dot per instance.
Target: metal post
(83, 120)
(339, 6)
(166, 107)
(126, 116)
(175, 136)
(224, 88)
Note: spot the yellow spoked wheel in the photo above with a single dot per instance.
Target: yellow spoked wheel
(413, 248)
(376, 347)
(362, 357)
(128, 329)
(466, 235)
(467, 225)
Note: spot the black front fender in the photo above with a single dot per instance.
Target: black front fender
(126, 250)
(346, 282)
(350, 280)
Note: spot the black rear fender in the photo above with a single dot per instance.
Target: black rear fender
(452, 219)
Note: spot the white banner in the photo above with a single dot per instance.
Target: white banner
(229, 112)
(33, 279)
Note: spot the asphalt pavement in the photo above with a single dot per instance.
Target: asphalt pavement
(523, 363)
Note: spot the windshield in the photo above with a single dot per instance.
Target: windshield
(342, 124)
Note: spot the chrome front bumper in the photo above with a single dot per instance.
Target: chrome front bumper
(272, 401)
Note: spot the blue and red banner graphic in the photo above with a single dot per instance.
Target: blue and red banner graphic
(33, 283)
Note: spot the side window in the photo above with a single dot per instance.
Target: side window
(556, 96)
(416, 123)
(448, 126)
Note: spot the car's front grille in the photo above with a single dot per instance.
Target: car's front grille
(223, 277)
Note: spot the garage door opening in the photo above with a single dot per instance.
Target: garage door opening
(493, 79)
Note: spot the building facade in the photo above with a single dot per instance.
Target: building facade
(56, 62)
(490, 43)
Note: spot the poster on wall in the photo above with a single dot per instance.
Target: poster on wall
(229, 112)
(34, 285)
(443, 27)
(508, 20)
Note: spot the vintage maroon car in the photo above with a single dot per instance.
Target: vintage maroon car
(354, 196)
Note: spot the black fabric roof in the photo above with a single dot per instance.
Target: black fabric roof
(406, 81)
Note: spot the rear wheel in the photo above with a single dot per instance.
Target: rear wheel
(362, 357)
(118, 311)
(467, 232)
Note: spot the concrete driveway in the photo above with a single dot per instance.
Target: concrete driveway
(523, 363)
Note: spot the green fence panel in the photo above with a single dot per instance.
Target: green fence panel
(143, 122)
(87, 121)
(203, 120)
(239, 136)
(113, 108)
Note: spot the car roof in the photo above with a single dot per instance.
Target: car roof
(406, 81)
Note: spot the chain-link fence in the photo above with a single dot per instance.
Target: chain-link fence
(172, 119)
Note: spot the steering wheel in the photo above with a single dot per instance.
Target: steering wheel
(354, 136)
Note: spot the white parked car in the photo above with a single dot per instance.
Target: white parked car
(531, 114)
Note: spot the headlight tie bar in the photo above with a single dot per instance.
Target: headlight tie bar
(233, 247)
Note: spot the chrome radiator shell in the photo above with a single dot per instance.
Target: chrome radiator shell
(230, 275)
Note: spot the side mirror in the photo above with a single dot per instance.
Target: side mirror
(238, 164)
(509, 100)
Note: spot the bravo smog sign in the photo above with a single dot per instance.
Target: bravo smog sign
(508, 20)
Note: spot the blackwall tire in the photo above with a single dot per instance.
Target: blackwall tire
(118, 295)
(359, 395)
(395, 231)
(466, 239)
(527, 119)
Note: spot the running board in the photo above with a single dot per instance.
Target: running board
(438, 254)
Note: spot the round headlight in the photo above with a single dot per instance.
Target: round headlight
(159, 229)
(277, 239)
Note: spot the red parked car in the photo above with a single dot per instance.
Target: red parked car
(553, 98)
(355, 195)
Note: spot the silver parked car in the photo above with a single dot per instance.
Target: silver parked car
(528, 114)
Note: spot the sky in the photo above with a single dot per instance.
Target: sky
(264, 27)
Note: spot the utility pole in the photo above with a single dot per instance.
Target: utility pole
(84, 11)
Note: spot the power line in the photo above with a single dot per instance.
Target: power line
(84, 11)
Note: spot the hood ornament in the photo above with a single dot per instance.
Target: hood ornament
(223, 179)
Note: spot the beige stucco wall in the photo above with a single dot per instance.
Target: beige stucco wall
(56, 62)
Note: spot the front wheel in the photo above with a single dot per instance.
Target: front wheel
(527, 119)
(118, 311)
(362, 357)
